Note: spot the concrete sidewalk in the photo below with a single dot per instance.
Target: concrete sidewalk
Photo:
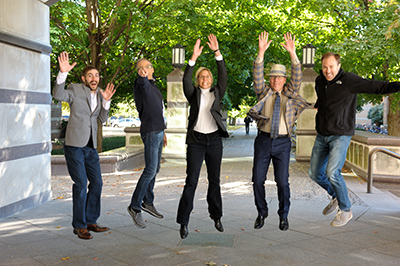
(43, 235)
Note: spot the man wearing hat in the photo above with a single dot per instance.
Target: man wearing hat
(278, 107)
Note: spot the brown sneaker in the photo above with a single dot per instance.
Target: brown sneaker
(96, 228)
(82, 233)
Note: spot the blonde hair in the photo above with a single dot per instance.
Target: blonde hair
(196, 83)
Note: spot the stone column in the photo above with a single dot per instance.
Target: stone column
(177, 116)
(25, 100)
(305, 133)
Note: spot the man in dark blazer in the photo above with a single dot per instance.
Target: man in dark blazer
(87, 103)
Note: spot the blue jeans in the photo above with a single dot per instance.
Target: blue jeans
(208, 148)
(327, 160)
(83, 165)
(277, 150)
(153, 144)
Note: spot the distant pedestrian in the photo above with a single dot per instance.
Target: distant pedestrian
(247, 122)
(278, 107)
(204, 134)
(335, 124)
(87, 103)
(150, 105)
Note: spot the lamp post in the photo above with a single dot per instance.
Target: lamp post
(178, 56)
(308, 55)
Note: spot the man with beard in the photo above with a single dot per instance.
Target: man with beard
(87, 103)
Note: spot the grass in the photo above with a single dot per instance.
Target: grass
(109, 143)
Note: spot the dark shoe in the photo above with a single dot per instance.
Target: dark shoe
(83, 233)
(152, 210)
(260, 221)
(137, 217)
(96, 228)
(184, 231)
(218, 225)
(284, 224)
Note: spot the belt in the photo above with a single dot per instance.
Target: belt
(269, 135)
(208, 135)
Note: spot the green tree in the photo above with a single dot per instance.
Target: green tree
(376, 114)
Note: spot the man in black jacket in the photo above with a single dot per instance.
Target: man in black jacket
(149, 103)
(335, 124)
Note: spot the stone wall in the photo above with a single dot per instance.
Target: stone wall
(25, 105)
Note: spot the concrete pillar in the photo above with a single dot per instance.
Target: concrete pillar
(25, 100)
(305, 132)
(177, 115)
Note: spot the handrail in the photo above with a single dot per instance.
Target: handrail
(371, 153)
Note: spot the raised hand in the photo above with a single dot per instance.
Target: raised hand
(63, 61)
(289, 44)
(263, 42)
(197, 49)
(108, 92)
(212, 42)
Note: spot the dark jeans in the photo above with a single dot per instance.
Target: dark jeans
(208, 148)
(83, 165)
(277, 150)
(153, 144)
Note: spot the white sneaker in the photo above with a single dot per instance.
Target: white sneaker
(331, 207)
(341, 218)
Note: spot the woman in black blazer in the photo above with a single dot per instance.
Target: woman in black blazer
(204, 134)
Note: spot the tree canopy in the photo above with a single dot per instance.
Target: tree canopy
(113, 34)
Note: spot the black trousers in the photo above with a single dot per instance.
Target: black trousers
(209, 148)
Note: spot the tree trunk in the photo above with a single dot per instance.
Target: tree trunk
(94, 34)
(393, 119)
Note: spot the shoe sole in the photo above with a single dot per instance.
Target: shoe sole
(339, 225)
(134, 221)
(327, 213)
(159, 216)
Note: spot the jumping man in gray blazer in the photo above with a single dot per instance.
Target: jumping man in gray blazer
(87, 103)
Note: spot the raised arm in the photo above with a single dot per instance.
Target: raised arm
(63, 62)
(213, 44)
(263, 44)
(197, 49)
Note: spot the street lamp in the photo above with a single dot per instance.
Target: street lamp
(178, 56)
(308, 55)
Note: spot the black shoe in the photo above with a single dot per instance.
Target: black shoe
(284, 224)
(260, 221)
(184, 231)
(218, 225)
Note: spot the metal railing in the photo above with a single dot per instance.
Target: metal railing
(370, 168)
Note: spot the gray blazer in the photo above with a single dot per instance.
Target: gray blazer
(82, 122)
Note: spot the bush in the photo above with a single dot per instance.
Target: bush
(109, 143)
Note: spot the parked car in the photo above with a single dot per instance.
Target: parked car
(126, 122)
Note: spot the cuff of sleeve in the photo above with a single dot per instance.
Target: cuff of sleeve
(61, 77)
(219, 58)
(259, 60)
(106, 104)
(191, 63)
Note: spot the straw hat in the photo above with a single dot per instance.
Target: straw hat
(278, 70)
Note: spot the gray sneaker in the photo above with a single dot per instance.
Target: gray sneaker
(137, 218)
(341, 218)
(152, 210)
(331, 207)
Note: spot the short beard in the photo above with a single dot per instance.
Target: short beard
(88, 85)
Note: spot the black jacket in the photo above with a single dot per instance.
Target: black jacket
(193, 94)
(337, 101)
(149, 103)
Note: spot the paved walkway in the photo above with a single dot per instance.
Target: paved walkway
(43, 235)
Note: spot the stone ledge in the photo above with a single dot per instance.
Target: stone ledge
(121, 159)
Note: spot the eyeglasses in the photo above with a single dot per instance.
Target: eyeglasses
(204, 77)
(145, 67)
(276, 77)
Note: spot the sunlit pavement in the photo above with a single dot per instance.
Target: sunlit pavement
(43, 235)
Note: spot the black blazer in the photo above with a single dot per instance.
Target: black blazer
(193, 94)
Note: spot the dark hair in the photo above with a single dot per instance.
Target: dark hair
(329, 54)
(87, 69)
